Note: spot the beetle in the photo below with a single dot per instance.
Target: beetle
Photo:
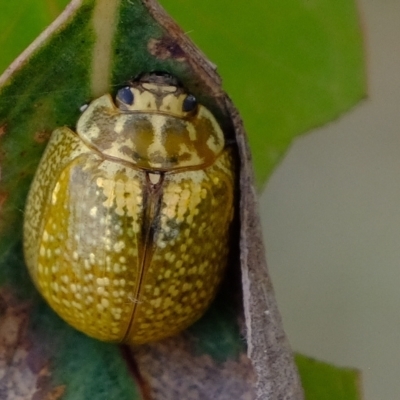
(127, 221)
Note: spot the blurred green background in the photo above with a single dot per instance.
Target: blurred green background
(331, 219)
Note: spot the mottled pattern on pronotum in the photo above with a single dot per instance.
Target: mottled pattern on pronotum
(127, 221)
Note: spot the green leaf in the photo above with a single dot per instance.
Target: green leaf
(322, 381)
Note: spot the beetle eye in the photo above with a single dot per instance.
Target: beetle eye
(190, 103)
(125, 95)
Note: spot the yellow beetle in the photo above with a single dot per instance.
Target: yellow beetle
(126, 230)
